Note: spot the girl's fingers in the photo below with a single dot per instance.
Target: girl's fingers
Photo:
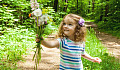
(98, 60)
(36, 35)
(37, 40)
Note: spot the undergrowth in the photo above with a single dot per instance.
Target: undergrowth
(13, 44)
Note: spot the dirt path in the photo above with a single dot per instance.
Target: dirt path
(50, 57)
(112, 43)
(50, 60)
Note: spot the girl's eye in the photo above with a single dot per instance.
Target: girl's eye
(64, 24)
(70, 24)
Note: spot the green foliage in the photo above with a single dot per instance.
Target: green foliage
(6, 17)
(58, 17)
(106, 14)
(14, 11)
(109, 23)
(50, 28)
(72, 6)
(46, 3)
(13, 44)
(93, 43)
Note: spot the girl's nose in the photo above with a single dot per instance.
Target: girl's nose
(65, 25)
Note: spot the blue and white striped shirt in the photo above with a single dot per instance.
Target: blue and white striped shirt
(70, 54)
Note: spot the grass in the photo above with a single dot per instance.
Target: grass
(17, 42)
(89, 20)
(96, 49)
(13, 44)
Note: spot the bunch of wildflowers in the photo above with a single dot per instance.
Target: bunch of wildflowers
(40, 22)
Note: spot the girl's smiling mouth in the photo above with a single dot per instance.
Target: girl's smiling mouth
(66, 30)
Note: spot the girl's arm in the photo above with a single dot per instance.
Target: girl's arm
(49, 43)
(93, 59)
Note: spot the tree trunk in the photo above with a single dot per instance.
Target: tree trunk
(89, 7)
(101, 12)
(55, 5)
(65, 6)
(93, 2)
(106, 10)
(77, 6)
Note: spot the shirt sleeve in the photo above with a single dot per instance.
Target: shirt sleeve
(60, 42)
(83, 49)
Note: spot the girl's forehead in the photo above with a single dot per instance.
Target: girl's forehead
(69, 20)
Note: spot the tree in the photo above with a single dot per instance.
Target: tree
(65, 6)
(89, 7)
(106, 9)
(101, 12)
(93, 2)
(77, 6)
(55, 5)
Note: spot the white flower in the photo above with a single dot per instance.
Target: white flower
(37, 12)
(44, 17)
(40, 22)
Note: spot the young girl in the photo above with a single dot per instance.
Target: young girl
(71, 43)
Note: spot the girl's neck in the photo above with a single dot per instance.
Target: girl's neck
(71, 38)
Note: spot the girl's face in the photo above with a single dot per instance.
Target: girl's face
(69, 26)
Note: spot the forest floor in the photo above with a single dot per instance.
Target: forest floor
(50, 56)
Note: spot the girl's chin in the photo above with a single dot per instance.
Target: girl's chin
(66, 34)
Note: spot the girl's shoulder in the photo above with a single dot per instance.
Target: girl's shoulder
(68, 40)
(74, 41)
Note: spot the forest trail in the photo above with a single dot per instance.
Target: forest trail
(112, 43)
(50, 57)
(50, 60)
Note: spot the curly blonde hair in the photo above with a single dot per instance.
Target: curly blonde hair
(80, 31)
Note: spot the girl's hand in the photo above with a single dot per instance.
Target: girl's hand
(96, 59)
(37, 39)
